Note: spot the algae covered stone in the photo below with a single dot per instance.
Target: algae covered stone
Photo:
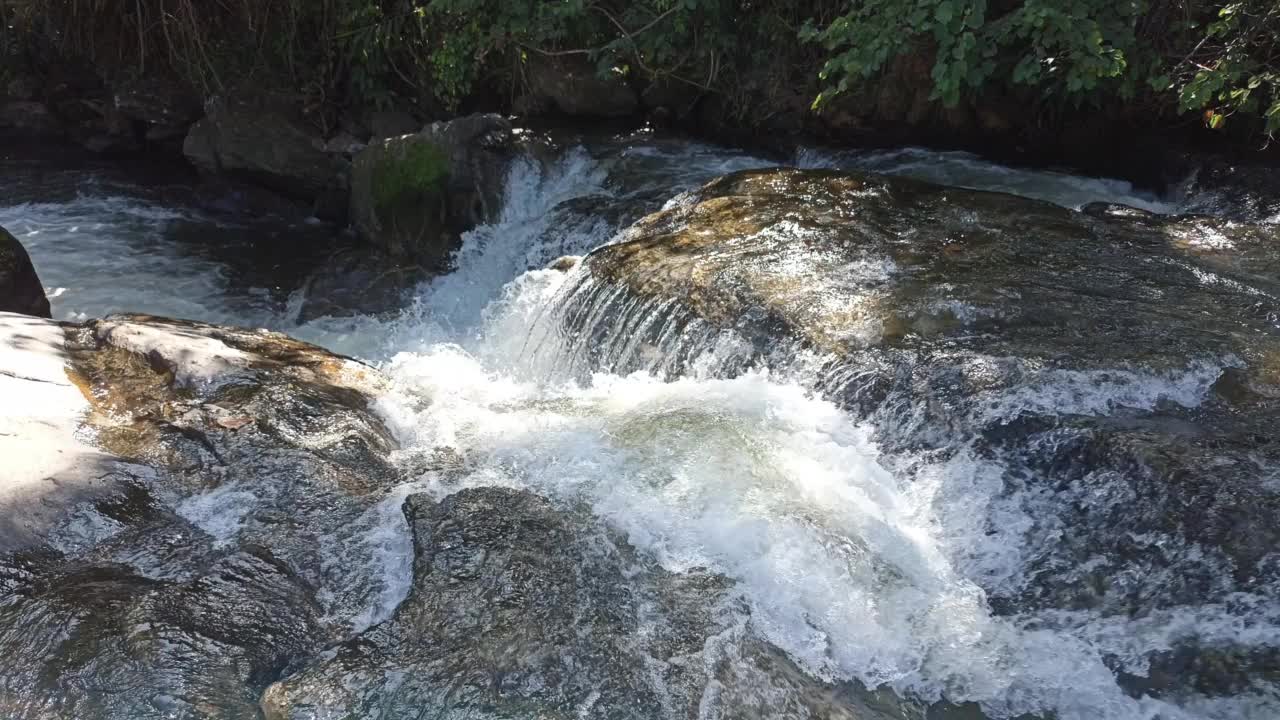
(413, 196)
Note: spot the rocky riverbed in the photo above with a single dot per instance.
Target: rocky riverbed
(781, 443)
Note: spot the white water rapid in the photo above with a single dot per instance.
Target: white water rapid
(858, 565)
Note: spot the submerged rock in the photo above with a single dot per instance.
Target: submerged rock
(20, 287)
(412, 196)
(359, 281)
(186, 521)
(520, 609)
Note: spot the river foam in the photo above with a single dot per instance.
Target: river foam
(860, 565)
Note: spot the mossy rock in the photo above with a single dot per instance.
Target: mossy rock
(414, 170)
(399, 198)
(413, 196)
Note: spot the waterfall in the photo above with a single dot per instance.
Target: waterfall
(869, 535)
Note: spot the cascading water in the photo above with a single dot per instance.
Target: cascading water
(860, 554)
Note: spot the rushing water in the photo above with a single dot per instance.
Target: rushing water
(858, 563)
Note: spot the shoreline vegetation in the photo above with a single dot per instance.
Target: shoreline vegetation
(1125, 89)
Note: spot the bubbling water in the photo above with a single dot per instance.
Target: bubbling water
(858, 565)
(708, 453)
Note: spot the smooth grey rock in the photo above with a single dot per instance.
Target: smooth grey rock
(260, 137)
(20, 287)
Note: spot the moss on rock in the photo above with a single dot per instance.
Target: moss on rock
(413, 196)
(414, 169)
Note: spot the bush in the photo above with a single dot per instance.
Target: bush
(1221, 59)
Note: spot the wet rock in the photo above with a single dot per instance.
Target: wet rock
(1120, 369)
(30, 117)
(413, 196)
(1238, 191)
(1116, 210)
(102, 641)
(847, 262)
(49, 474)
(158, 101)
(186, 522)
(20, 287)
(391, 123)
(260, 137)
(565, 263)
(519, 609)
(577, 89)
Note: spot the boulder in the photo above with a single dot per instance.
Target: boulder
(1115, 369)
(261, 138)
(413, 196)
(521, 609)
(576, 88)
(158, 101)
(384, 124)
(184, 511)
(20, 287)
(1239, 191)
(845, 262)
(103, 641)
(30, 118)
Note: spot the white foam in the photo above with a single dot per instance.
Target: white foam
(220, 512)
(855, 571)
(857, 565)
(959, 169)
(845, 566)
(1099, 392)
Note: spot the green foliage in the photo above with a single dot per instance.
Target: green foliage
(1235, 67)
(413, 169)
(1072, 48)
(1220, 58)
(655, 37)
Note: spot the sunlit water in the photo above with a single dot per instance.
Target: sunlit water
(859, 565)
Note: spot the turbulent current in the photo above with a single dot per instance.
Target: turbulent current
(860, 557)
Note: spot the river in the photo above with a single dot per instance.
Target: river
(860, 561)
